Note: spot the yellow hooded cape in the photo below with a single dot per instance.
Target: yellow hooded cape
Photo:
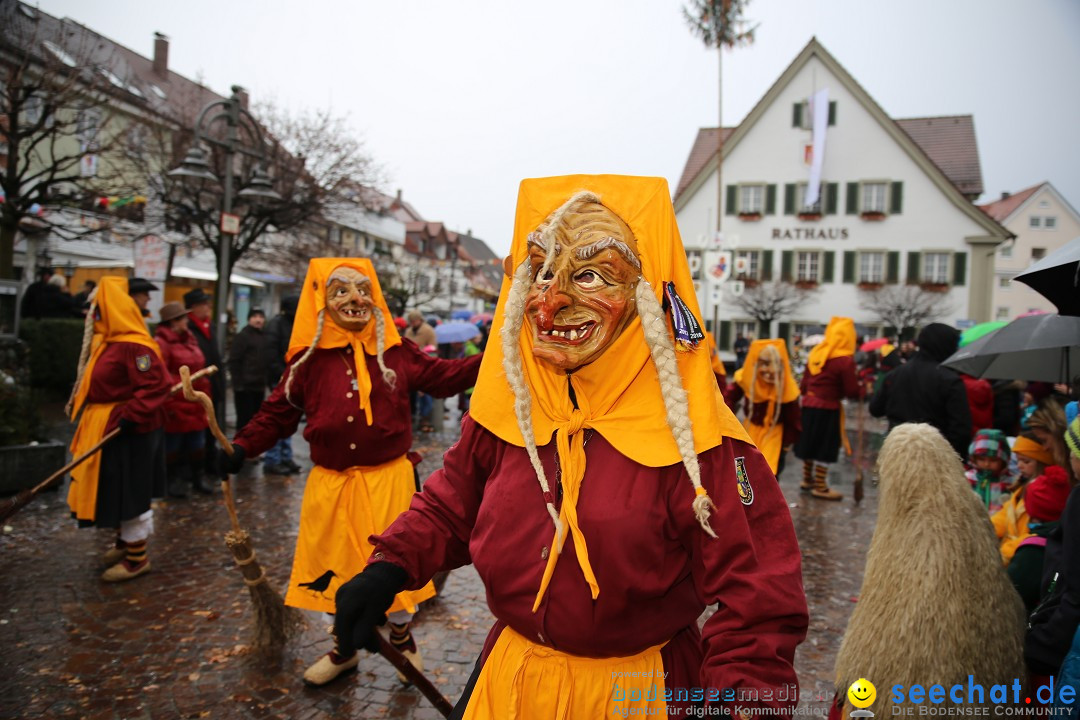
(619, 393)
(313, 300)
(769, 437)
(839, 342)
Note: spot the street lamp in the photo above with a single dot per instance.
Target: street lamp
(195, 170)
(451, 247)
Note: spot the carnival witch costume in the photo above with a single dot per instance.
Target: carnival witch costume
(122, 383)
(616, 499)
(772, 417)
(350, 373)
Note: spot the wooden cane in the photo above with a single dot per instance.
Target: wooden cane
(13, 504)
(417, 678)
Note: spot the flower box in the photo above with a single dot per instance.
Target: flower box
(874, 216)
(748, 282)
(806, 284)
(750, 216)
(809, 216)
(870, 285)
(935, 287)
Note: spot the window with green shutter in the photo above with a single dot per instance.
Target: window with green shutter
(832, 191)
(729, 201)
(849, 266)
(797, 115)
(770, 199)
(892, 268)
(959, 268)
(766, 265)
(914, 269)
(832, 112)
(787, 259)
(852, 207)
(896, 198)
(828, 267)
(789, 198)
(724, 340)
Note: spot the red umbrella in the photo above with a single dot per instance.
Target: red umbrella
(400, 322)
(871, 345)
(484, 317)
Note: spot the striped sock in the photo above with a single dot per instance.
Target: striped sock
(401, 638)
(821, 476)
(807, 473)
(136, 554)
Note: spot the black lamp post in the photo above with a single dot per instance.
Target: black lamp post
(195, 169)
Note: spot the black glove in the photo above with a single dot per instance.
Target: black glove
(231, 464)
(361, 604)
(126, 426)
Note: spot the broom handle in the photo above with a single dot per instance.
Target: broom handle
(193, 395)
(19, 501)
(416, 677)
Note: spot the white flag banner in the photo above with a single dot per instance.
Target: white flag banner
(819, 111)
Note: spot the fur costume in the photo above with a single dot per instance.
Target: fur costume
(936, 604)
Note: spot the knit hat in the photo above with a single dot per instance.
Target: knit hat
(1045, 496)
(992, 443)
(1072, 437)
(1031, 449)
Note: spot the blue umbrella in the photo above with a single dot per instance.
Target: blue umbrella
(461, 314)
(452, 332)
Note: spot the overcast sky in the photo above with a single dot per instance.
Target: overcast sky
(461, 100)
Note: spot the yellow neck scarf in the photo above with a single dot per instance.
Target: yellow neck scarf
(117, 319)
(313, 301)
(839, 342)
(618, 395)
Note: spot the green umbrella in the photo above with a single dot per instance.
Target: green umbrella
(975, 332)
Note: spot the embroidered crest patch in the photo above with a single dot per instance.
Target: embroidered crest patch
(142, 362)
(746, 493)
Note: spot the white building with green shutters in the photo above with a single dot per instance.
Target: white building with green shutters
(895, 208)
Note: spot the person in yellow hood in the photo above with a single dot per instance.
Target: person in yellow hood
(829, 378)
(601, 488)
(122, 384)
(350, 373)
(772, 400)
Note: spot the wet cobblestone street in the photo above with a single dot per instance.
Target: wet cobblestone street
(172, 644)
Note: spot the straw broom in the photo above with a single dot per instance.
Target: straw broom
(17, 502)
(274, 622)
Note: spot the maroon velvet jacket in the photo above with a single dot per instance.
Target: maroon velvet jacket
(179, 349)
(656, 568)
(117, 377)
(837, 380)
(336, 430)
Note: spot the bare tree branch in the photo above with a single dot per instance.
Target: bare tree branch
(770, 301)
(904, 306)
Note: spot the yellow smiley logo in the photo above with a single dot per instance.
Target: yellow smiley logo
(861, 694)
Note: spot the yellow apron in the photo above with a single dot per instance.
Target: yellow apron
(340, 511)
(82, 493)
(770, 441)
(524, 681)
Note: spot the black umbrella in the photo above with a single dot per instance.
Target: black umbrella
(1037, 347)
(1057, 277)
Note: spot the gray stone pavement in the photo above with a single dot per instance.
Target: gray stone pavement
(172, 644)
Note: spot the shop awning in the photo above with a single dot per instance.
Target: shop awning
(193, 274)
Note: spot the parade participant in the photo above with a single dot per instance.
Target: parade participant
(829, 379)
(932, 571)
(588, 509)
(185, 422)
(121, 383)
(350, 374)
(772, 399)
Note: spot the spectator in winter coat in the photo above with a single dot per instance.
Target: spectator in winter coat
(278, 460)
(185, 422)
(921, 390)
(980, 396)
(199, 304)
(247, 367)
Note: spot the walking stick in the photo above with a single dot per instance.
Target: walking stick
(17, 502)
(858, 493)
(416, 677)
(274, 622)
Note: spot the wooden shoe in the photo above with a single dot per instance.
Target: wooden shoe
(413, 656)
(121, 572)
(113, 555)
(325, 669)
(826, 493)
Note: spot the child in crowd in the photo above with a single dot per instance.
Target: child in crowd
(1044, 501)
(989, 476)
(1011, 521)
